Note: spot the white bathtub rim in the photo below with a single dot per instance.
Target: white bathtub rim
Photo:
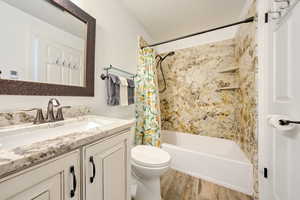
(227, 141)
(195, 135)
(215, 181)
(240, 161)
(246, 162)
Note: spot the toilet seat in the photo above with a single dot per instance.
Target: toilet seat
(149, 156)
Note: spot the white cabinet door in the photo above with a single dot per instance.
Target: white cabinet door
(53, 180)
(107, 169)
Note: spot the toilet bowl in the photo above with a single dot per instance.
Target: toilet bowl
(148, 164)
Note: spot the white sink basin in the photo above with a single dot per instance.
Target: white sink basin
(14, 137)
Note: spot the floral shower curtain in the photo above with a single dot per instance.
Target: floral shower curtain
(148, 125)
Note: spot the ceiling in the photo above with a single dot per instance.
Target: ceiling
(167, 19)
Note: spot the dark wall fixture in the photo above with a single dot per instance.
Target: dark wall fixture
(248, 20)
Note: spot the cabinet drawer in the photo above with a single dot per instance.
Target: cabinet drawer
(52, 180)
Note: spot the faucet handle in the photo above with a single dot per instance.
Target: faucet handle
(39, 118)
(59, 114)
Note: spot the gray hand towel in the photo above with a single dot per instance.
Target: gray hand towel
(131, 87)
(113, 90)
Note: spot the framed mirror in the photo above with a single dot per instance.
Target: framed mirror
(47, 47)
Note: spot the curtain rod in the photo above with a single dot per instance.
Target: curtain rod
(248, 20)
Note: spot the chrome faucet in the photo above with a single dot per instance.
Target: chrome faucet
(53, 103)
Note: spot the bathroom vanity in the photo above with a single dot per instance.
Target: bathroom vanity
(85, 157)
(79, 158)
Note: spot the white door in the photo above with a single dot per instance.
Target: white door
(106, 170)
(279, 146)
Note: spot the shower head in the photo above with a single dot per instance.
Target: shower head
(172, 53)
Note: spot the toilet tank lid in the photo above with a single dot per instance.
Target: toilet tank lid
(150, 156)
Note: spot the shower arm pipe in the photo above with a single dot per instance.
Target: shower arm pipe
(248, 20)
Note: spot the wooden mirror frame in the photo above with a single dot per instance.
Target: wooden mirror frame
(15, 87)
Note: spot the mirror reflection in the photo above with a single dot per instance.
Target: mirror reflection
(41, 43)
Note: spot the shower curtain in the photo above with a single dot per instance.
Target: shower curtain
(148, 122)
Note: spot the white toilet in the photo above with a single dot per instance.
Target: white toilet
(148, 164)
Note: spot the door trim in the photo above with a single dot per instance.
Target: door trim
(264, 55)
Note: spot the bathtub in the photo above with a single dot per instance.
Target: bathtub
(215, 160)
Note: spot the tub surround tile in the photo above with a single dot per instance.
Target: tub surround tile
(24, 117)
(191, 103)
(179, 186)
(247, 60)
(26, 156)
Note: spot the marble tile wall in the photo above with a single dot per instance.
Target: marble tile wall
(247, 60)
(191, 103)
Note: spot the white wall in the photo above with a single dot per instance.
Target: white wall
(206, 38)
(116, 44)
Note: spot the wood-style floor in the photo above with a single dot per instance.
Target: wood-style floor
(178, 186)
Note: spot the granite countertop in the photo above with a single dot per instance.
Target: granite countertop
(22, 157)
